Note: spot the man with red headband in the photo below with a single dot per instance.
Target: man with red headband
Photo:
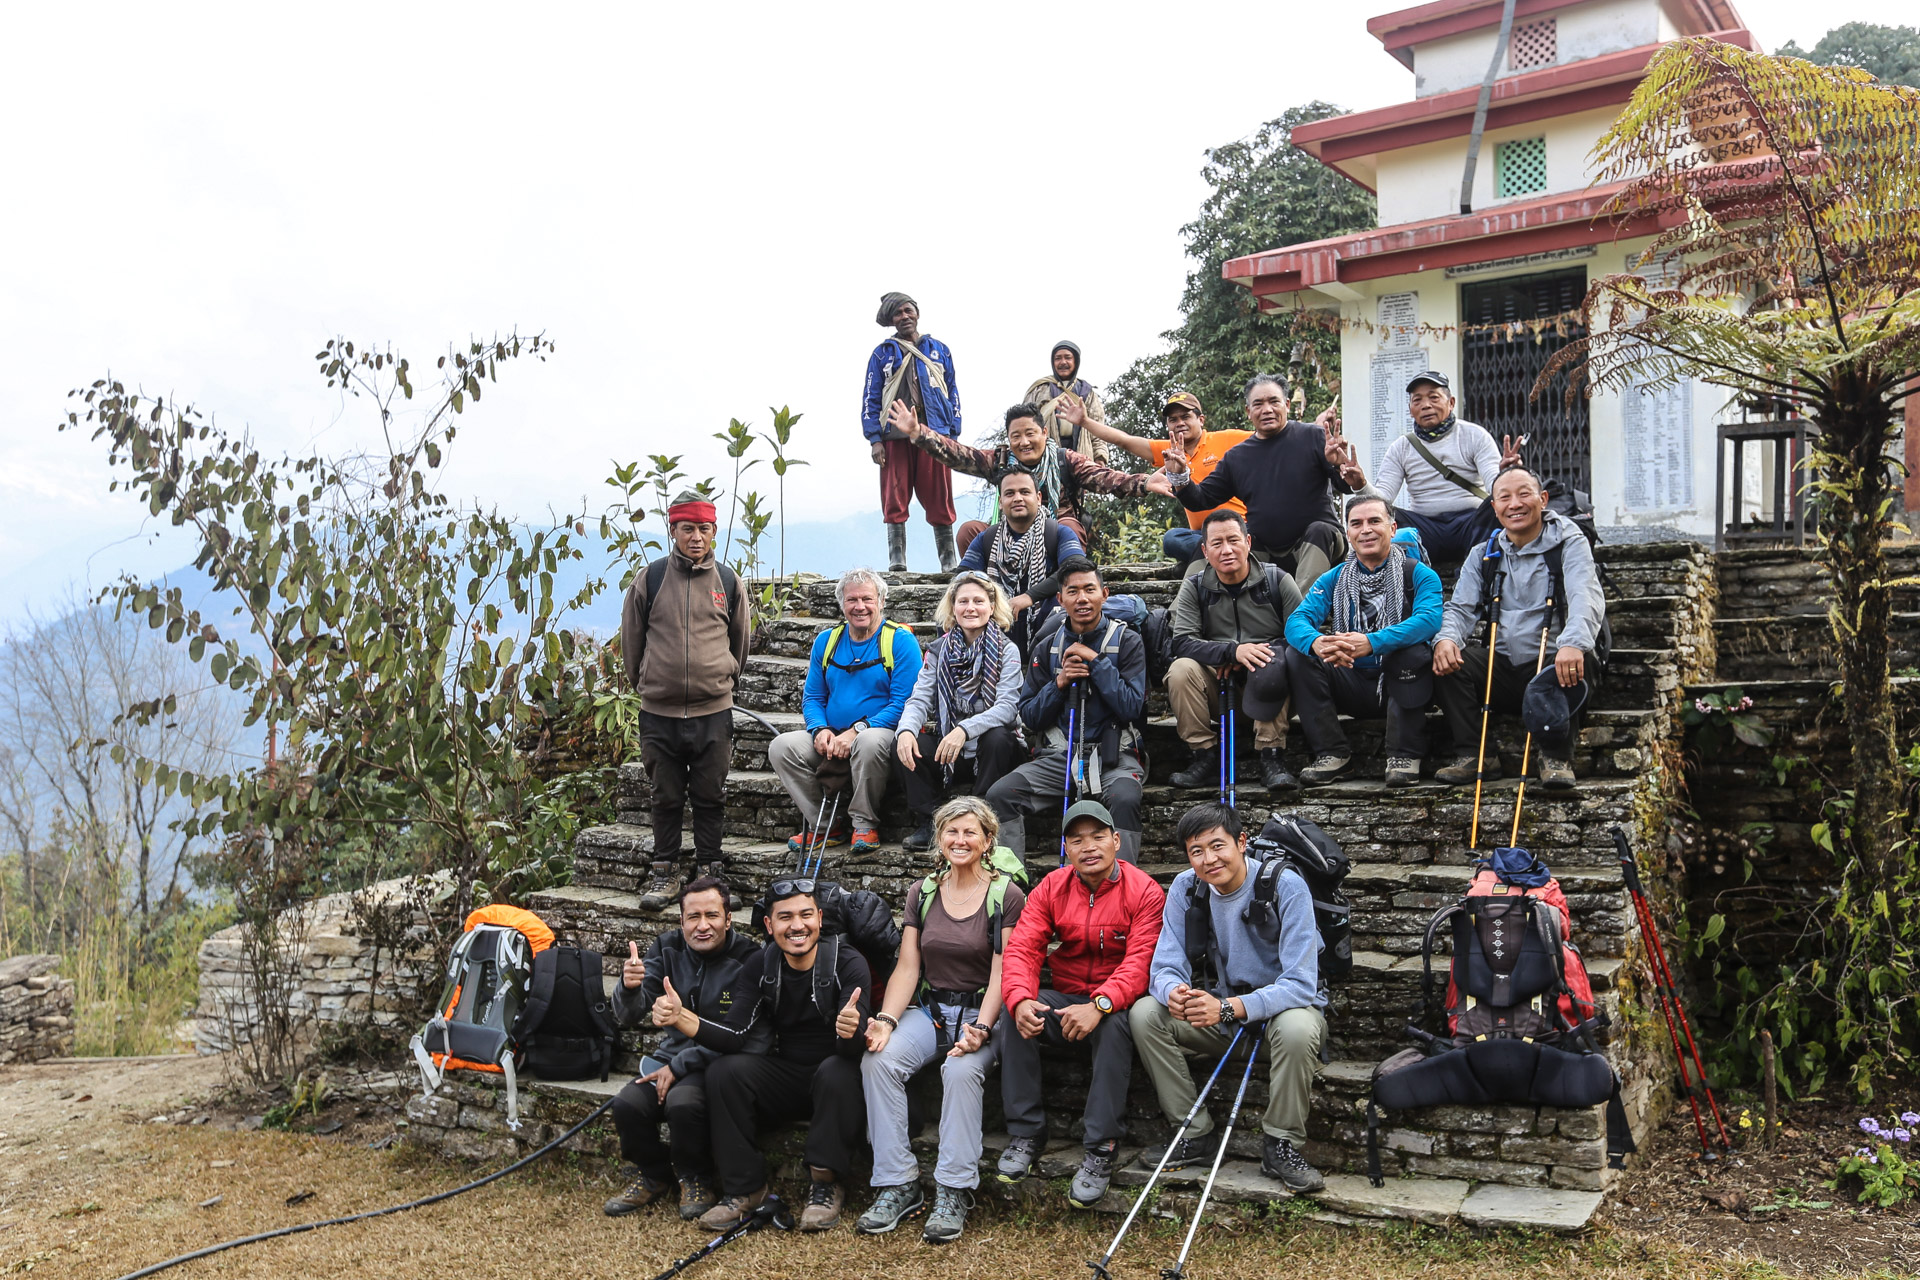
(683, 638)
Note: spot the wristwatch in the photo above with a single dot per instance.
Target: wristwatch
(1104, 1005)
(861, 726)
(1226, 1012)
(981, 1027)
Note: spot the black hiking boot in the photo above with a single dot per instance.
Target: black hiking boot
(921, 839)
(1279, 1160)
(1191, 1150)
(1201, 771)
(1274, 774)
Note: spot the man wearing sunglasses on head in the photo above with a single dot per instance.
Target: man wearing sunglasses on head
(790, 1049)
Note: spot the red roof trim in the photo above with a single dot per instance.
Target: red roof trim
(1532, 226)
(1404, 28)
(1400, 125)
(1589, 98)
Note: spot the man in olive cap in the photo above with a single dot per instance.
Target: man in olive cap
(916, 370)
(1063, 387)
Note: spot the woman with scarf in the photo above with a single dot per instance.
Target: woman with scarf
(963, 715)
(943, 1002)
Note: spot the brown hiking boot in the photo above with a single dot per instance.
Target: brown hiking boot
(730, 1210)
(1460, 772)
(824, 1199)
(641, 1192)
(662, 889)
(696, 1197)
(1556, 775)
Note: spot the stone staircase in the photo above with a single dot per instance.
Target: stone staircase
(1484, 1166)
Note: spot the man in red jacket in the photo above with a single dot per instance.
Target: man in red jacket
(1106, 916)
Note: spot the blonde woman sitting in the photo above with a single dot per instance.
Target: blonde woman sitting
(954, 921)
(963, 715)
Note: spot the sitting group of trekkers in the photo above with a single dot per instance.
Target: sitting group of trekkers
(1309, 594)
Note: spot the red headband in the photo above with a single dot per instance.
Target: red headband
(698, 512)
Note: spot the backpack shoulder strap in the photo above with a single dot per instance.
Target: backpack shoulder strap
(929, 886)
(834, 633)
(887, 630)
(1270, 582)
(996, 907)
(1051, 532)
(1199, 930)
(539, 994)
(656, 577)
(1116, 634)
(728, 581)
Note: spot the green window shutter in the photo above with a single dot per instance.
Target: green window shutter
(1519, 167)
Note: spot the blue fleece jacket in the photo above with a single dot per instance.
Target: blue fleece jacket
(1283, 975)
(1310, 621)
(942, 411)
(835, 698)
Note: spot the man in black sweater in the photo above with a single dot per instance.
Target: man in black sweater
(811, 994)
(1288, 476)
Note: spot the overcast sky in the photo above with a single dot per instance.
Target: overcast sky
(701, 205)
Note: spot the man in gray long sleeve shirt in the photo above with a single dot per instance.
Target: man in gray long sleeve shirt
(1519, 562)
(1264, 967)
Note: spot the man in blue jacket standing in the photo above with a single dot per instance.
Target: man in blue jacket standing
(1236, 950)
(1359, 644)
(859, 676)
(917, 371)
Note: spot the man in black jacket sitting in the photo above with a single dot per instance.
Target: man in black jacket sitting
(790, 1049)
(702, 959)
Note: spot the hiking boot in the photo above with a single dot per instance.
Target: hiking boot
(729, 1210)
(1192, 1150)
(825, 1195)
(1095, 1172)
(696, 1197)
(890, 1207)
(1280, 1161)
(1201, 771)
(1016, 1162)
(1403, 771)
(641, 1192)
(1556, 775)
(806, 840)
(1325, 769)
(663, 887)
(865, 840)
(949, 1216)
(1460, 772)
(1274, 774)
(921, 839)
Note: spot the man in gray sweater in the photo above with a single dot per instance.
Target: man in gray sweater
(1228, 958)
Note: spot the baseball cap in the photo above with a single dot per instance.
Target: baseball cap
(1434, 376)
(1180, 400)
(1088, 809)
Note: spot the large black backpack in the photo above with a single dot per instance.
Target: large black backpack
(859, 915)
(1284, 843)
(565, 1029)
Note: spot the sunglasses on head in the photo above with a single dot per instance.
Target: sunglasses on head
(788, 888)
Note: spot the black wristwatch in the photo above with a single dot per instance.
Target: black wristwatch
(1227, 1014)
(981, 1027)
(1104, 1005)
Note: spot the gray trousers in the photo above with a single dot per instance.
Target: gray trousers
(1035, 787)
(794, 759)
(962, 1086)
(1293, 1059)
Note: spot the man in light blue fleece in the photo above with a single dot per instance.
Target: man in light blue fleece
(1227, 959)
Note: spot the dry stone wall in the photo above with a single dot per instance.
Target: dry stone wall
(36, 1009)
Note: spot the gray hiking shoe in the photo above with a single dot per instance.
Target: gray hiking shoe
(1402, 771)
(1325, 769)
(1279, 1160)
(662, 888)
(1095, 1173)
(1460, 772)
(1556, 775)
(641, 1191)
(1190, 1151)
(1016, 1162)
(949, 1216)
(890, 1207)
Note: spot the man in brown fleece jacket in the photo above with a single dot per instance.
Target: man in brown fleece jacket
(683, 638)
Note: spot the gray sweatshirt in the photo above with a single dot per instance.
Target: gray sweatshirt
(1523, 597)
(1283, 975)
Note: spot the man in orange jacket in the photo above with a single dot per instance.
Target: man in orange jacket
(1106, 916)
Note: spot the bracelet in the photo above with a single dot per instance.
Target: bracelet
(886, 1018)
(981, 1027)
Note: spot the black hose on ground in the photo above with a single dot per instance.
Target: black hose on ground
(422, 1203)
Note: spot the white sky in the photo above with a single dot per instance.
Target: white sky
(700, 203)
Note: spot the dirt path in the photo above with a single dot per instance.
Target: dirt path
(92, 1186)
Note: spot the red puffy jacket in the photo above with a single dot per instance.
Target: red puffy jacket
(1106, 937)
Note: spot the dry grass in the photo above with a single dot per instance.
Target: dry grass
(104, 1194)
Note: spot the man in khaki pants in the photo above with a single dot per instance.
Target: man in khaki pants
(1231, 617)
(1236, 949)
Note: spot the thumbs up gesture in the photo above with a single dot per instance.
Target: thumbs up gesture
(849, 1020)
(666, 1010)
(634, 971)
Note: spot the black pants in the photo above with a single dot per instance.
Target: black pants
(1459, 696)
(1453, 536)
(1112, 1047)
(687, 758)
(746, 1090)
(637, 1112)
(1399, 689)
(996, 755)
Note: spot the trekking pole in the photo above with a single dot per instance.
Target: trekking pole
(1221, 738)
(807, 842)
(1232, 757)
(1100, 1268)
(1486, 708)
(811, 866)
(1526, 747)
(1180, 1264)
(1066, 782)
(770, 1213)
(1670, 1002)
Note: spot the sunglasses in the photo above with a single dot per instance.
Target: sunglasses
(787, 888)
(973, 576)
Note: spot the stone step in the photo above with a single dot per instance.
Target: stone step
(1798, 646)
(1778, 581)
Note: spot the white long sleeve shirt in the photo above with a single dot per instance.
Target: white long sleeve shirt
(1468, 449)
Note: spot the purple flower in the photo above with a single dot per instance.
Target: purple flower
(1910, 1117)
(1903, 1135)
(1862, 1154)
(1873, 1159)
(1869, 1125)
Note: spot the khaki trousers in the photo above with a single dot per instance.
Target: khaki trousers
(1293, 1059)
(1194, 693)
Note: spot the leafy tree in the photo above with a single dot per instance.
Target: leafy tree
(1891, 54)
(1788, 190)
(1266, 193)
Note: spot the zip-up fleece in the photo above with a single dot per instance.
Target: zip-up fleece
(687, 659)
(708, 983)
(1211, 619)
(1106, 937)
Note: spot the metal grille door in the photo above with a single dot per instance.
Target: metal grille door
(1497, 375)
